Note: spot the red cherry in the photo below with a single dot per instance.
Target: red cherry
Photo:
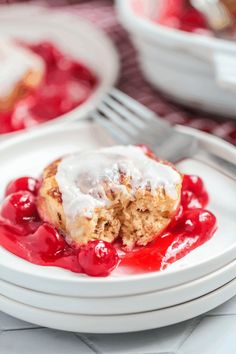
(189, 200)
(192, 20)
(193, 183)
(47, 241)
(98, 258)
(80, 72)
(48, 103)
(193, 194)
(29, 184)
(196, 222)
(20, 207)
(48, 52)
(6, 122)
(22, 117)
(194, 228)
(203, 199)
(170, 12)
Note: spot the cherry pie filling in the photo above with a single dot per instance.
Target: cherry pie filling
(179, 14)
(24, 234)
(67, 84)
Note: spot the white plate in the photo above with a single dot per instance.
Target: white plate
(28, 154)
(122, 323)
(81, 39)
(123, 304)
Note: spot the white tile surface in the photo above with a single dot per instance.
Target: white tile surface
(213, 335)
(161, 340)
(9, 323)
(229, 308)
(41, 341)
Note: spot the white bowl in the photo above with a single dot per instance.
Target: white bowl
(81, 39)
(195, 70)
(28, 154)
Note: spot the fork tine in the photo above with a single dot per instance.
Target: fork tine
(146, 115)
(115, 131)
(136, 107)
(124, 112)
(123, 124)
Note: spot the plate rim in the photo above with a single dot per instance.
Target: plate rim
(201, 305)
(23, 294)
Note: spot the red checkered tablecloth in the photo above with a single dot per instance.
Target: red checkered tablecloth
(102, 14)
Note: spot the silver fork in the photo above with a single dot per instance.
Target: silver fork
(129, 122)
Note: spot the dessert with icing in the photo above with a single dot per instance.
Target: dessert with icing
(39, 82)
(21, 71)
(109, 193)
(97, 210)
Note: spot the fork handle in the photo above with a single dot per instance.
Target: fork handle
(221, 165)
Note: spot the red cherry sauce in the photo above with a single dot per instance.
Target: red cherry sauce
(190, 228)
(67, 84)
(181, 15)
(30, 238)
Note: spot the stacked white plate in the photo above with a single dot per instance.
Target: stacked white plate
(57, 298)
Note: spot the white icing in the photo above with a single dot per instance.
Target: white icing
(80, 177)
(15, 62)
